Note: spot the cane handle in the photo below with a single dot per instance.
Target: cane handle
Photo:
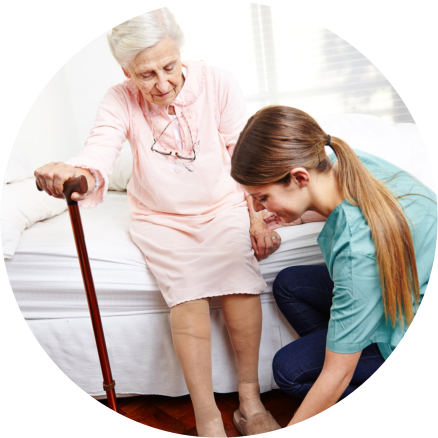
(78, 184)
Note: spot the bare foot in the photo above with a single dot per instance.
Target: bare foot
(211, 428)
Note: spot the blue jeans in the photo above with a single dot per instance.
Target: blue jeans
(304, 296)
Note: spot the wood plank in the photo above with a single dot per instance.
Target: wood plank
(230, 398)
(175, 414)
(283, 419)
(140, 408)
(227, 413)
(164, 421)
(189, 419)
(191, 432)
(174, 406)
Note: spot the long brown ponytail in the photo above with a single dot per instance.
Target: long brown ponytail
(279, 138)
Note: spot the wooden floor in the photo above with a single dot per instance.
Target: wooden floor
(175, 414)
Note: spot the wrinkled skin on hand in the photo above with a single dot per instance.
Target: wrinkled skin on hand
(264, 241)
(51, 178)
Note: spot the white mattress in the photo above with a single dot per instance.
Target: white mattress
(47, 283)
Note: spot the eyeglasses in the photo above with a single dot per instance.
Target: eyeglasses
(173, 153)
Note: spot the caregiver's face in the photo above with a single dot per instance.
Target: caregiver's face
(157, 72)
(289, 202)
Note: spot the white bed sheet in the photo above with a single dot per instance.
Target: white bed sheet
(47, 283)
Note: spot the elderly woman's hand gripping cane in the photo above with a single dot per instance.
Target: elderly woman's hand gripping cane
(52, 177)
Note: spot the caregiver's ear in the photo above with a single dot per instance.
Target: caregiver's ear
(300, 176)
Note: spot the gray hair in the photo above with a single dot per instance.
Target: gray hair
(133, 36)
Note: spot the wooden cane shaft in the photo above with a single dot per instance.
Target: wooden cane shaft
(93, 305)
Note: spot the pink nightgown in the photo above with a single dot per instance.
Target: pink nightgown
(189, 219)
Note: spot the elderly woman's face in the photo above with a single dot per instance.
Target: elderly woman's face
(157, 72)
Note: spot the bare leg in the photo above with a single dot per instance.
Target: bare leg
(243, 317)
(191, 333)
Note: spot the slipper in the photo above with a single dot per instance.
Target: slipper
(259, 423)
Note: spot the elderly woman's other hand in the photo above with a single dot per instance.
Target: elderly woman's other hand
(51, 178)
(264, 241)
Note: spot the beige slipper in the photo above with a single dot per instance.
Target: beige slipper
(259, 423)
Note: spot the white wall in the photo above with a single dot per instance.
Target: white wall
(49, 132)
(59, 121)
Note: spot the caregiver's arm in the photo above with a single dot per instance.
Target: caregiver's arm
(312, 216)
(273, 221)
(335, 376)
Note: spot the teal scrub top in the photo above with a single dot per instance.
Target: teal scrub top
(357, 317)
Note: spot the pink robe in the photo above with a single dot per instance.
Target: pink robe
(190, 220)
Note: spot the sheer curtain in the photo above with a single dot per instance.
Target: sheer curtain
(278, 60)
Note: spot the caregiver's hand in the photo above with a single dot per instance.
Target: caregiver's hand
(273, 221)
(51, 178)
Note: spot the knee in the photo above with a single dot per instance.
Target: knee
(286, 373)
(191, 319)
(191, 327)
(281, 370)
(285, 284)
(243, 318)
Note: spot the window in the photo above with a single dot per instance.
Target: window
(277, 60)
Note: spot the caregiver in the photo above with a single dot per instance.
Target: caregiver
(188, 216)
(378, 243)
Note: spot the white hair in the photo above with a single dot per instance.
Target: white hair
(133, 36)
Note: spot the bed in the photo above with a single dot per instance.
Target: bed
(45, 277)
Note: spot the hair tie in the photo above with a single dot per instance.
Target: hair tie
(329, 139)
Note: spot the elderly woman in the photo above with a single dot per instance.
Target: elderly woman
(188, 216)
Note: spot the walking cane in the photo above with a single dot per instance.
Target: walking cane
(80, 185)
